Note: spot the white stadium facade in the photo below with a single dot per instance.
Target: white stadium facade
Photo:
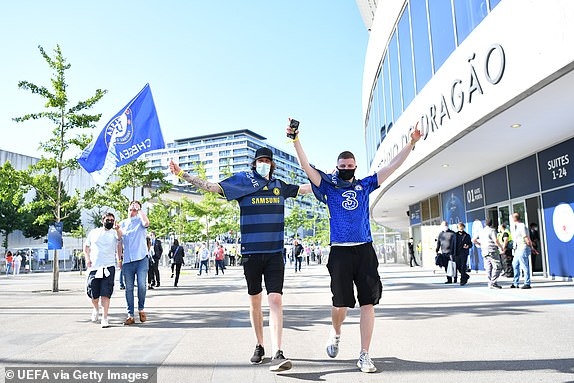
(490, 84)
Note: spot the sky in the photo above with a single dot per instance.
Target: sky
(212, 66)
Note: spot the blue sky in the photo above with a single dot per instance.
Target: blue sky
(212, 66)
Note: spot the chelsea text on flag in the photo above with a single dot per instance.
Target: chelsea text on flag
(134, 130)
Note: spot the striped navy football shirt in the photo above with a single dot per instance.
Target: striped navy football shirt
(262, 213)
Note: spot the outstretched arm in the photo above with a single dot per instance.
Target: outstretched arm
(195, 181)
(305, 189)
(384, 172)
(311, 172)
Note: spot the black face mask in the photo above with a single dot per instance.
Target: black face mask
(108, 225)
(346, 174)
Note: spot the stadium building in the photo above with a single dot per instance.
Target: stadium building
(489, 84)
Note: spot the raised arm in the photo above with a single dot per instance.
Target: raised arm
(195, 181)
(384, 172)
(311, 172)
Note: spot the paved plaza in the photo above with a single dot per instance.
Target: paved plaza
(425, 331)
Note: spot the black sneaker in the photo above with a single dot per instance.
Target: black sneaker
(258, 355)
(280, 363)
(525, 287)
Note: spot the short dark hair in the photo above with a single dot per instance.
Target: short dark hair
(345, 155)
(488, 222)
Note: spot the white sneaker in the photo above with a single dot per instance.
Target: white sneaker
(365, 363)
(332, 345)
(105, 323)
(95, 315)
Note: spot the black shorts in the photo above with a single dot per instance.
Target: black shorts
(257, 267)
(100, 287)
(356, 265)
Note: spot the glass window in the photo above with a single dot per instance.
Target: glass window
(434, 207)
(387, 93)
(421, 43)
(374, 116)
(395, 77)
(468, 14)
(406, 58)
(381, 95)
(425, 210)
(442, 31)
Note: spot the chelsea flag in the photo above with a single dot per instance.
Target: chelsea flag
(134, 130)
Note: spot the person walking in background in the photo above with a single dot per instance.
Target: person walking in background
(135, 260)
(445, 248)
(157, 252)
(203, 258)
(177, 254)
(17, 263)
(412, 257)
(101, 249)
(232, 255)
(491, 246)
(352, 258)
(219, 259)
(523, 248)
(9, 262)
(298, 254)
(506, 256)
(150, 273)
(261, 199)
(535, 240)
(463, 244)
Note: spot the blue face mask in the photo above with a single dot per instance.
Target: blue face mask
(263, 169)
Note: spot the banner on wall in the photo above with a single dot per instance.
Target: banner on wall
(559, 230)
(474, 194)
(453, 206)
(556, 165)
(415, 214)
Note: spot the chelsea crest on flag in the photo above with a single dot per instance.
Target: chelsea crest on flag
(134, 130)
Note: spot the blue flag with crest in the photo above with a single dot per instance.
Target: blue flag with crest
(133, 131)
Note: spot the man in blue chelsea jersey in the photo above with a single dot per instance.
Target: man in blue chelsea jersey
(261, 199)
(352, 259)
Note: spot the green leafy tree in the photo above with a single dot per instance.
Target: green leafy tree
(41, 209)
(295, 220)
(213, 216)
(131, 177)
(11, 198)
(67, 121)
(160, 219)
(185, 223)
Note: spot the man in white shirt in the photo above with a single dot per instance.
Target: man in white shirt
(522, 250)
(102, 245)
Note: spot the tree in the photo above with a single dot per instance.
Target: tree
(11, 198)
(40, 211)
(295, 220)
(131, 176)
(159, 218)
(67, 120)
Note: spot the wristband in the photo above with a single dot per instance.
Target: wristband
(180, 173)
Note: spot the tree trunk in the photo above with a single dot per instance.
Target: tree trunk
(55, 273)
